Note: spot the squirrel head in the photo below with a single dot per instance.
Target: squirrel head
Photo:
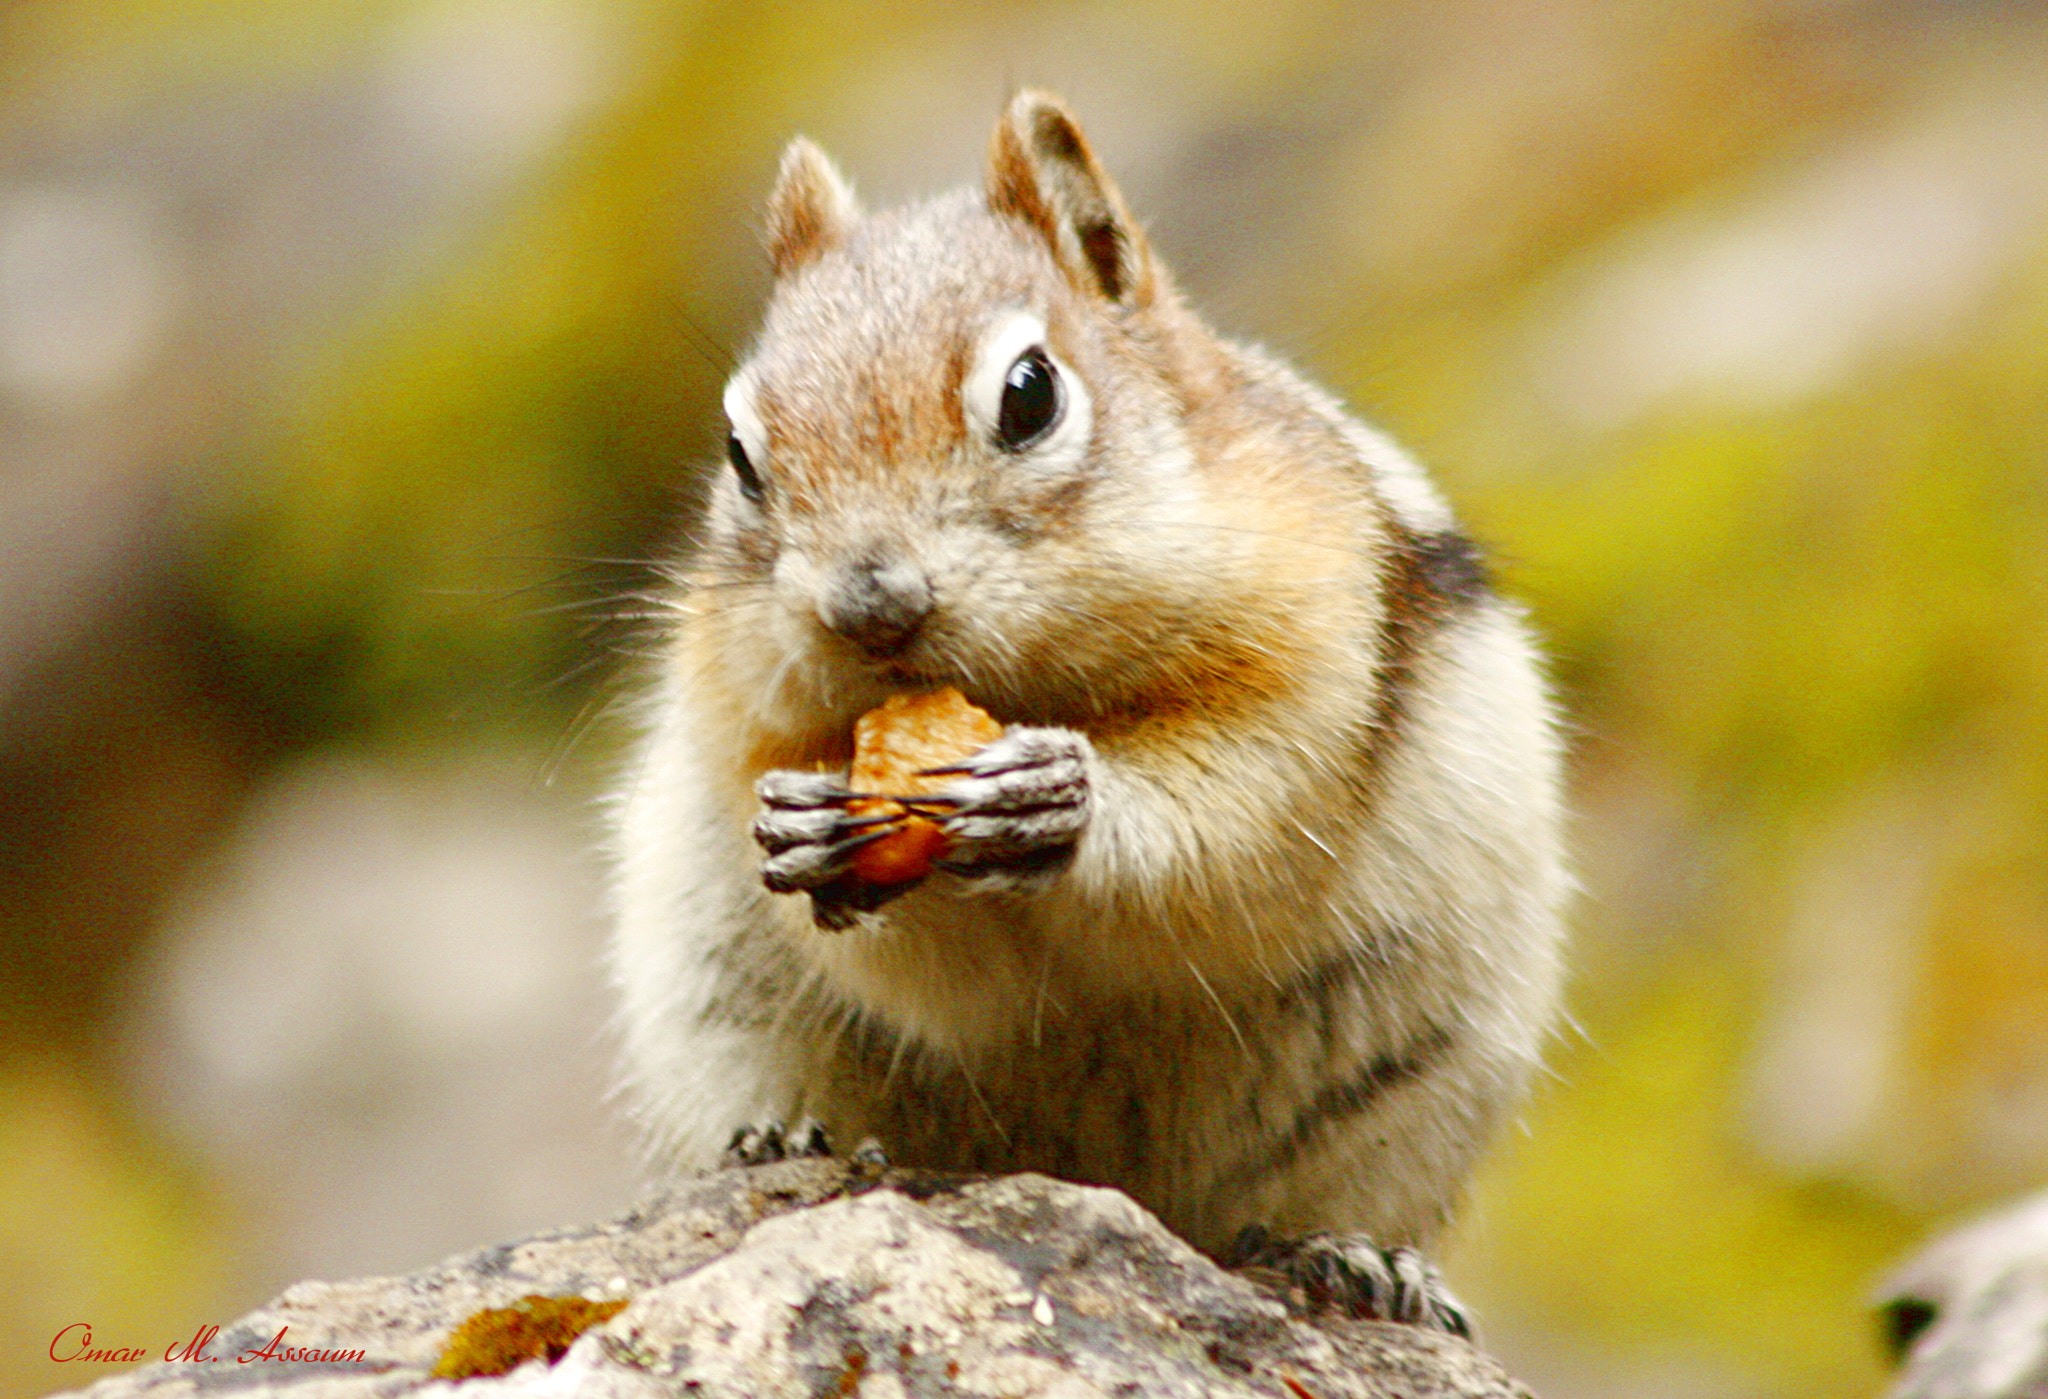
(961, 441)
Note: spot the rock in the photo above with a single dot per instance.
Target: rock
(1969, 1313)
(813, 1278)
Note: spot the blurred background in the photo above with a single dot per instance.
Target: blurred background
(356, 356)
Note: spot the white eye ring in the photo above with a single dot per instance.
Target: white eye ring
(747, 428)
(1008, 338)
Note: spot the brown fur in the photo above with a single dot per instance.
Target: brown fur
(1304, 954)
(809, 210)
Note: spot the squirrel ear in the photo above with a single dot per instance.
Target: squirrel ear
(809, 210)
(1040, 170)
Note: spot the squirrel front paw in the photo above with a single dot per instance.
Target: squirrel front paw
(1017, 806)
(810, 836)
(1011, 816)
(811, 840)
(1349, 1273)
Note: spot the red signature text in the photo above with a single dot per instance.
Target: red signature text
(75, 1342)
(278, 1350)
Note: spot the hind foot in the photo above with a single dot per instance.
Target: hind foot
(1351, 1274)
(759, 1144)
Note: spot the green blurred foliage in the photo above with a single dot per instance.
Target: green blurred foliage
(1677, 1251)
(470, 456)
(95, 1227)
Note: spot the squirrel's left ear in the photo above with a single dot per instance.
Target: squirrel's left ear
(1040, 170)
(809, 210)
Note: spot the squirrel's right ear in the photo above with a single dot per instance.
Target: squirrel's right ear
(809, 210)
(1040, 170)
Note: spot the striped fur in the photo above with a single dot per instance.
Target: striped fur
(1305, 954)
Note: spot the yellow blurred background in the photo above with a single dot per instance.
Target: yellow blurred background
(357, 356)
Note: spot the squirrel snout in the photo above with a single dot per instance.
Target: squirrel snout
(878, 608)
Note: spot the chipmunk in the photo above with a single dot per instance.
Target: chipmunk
(1252, 911)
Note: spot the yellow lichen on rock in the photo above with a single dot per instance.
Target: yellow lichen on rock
(498, 1340)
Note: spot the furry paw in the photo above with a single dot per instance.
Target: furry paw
(811, 839)
(809, 835)
(760, 1143)
(1351, 1274)
(1018, 805)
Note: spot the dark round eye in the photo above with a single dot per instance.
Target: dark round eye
(1032, 400)
(750, 479)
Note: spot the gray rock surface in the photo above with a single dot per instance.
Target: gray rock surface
(809, 1278)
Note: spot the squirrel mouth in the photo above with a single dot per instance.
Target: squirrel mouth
(895, 672)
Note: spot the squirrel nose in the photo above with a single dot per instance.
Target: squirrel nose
(877, 608)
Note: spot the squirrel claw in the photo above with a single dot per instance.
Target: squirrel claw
(809, 836)
(1020, 804)
(1351, 1274)
(763, 1143)
(759, 1143)
(793, 789)
(797, 867)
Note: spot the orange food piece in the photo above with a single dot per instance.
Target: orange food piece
(903, 855)
(892, 746)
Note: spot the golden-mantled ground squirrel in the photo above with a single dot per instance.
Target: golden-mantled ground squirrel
(1252, 911)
